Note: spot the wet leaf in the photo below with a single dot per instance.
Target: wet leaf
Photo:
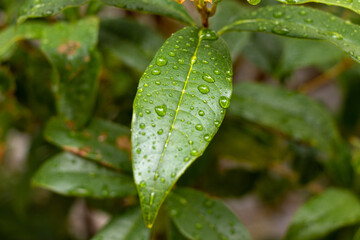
(127, 226)
(43, 8)
(180, 103)
(333, 209)
(102, 141)
(70, 49)
(349, 4)
(290, 113)
(200, 217)
(70, 175)
(301, 22)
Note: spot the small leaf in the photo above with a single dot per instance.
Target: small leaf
(70, 49)
(180, 104)
(43, 8)
(349, 4)
(200, 217)
(293, 114)
(102, 141)
(127, 226)
(70, 175)
(169, 8)
(13, 34)
(301, 22)
(333, 209)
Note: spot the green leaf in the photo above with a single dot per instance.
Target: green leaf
(179, 106)
(301, 22)
(200, 217)
(43, 8)
(128, 226)
(293, 114)
(9, 36)
(70, 175)
(131, 42)
(102, 141)
(169, 8)
(70, 49)
(349, 4)
(333, 209)
(174, 233)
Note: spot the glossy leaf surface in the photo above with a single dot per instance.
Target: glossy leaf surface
(180, 103)
(102, 141)
(323, 214)
(200, 217)
(349, 4)
(301, 22)
(293, 114)
(169, 8)
(70, 49)
(71, 175)
(127, 226)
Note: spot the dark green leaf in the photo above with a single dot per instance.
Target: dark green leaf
(298, 53)
(131, 42)
(293, 114)
(169, 8)
(174, 233)
(102, 141)
(179, 106)
(70, 175)
(128, 226)
(323, 214)
(13, 34)
(349, 4)
(200, 217)
(301, 22)
(70, 49)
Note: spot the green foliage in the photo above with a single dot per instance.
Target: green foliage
(112, 113)
(322, 214)
(177, 113)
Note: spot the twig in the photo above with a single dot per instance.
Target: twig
(327, 76)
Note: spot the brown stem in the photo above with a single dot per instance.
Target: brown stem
(326, 76)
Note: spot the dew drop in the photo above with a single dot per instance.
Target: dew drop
(142, 125)
(161, 110)
(199, 127)
(138, 151)
(157, 82)
(280, 30)
(224, 102)
(172, 54)
(217, 72)
(201, 113)
(208, 35)
(186, 159)
(207, 137)
(217, 123)
(161, 61)
(208, 78)
(203, 89)
(160, 131)
(180, 60)
(155, 72)
(254, 2)
(194, 152)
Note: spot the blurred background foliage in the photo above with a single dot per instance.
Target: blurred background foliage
(257, 165)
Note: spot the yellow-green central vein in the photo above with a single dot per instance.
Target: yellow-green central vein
(192, 62)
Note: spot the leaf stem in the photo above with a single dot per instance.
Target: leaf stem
(206, 12)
